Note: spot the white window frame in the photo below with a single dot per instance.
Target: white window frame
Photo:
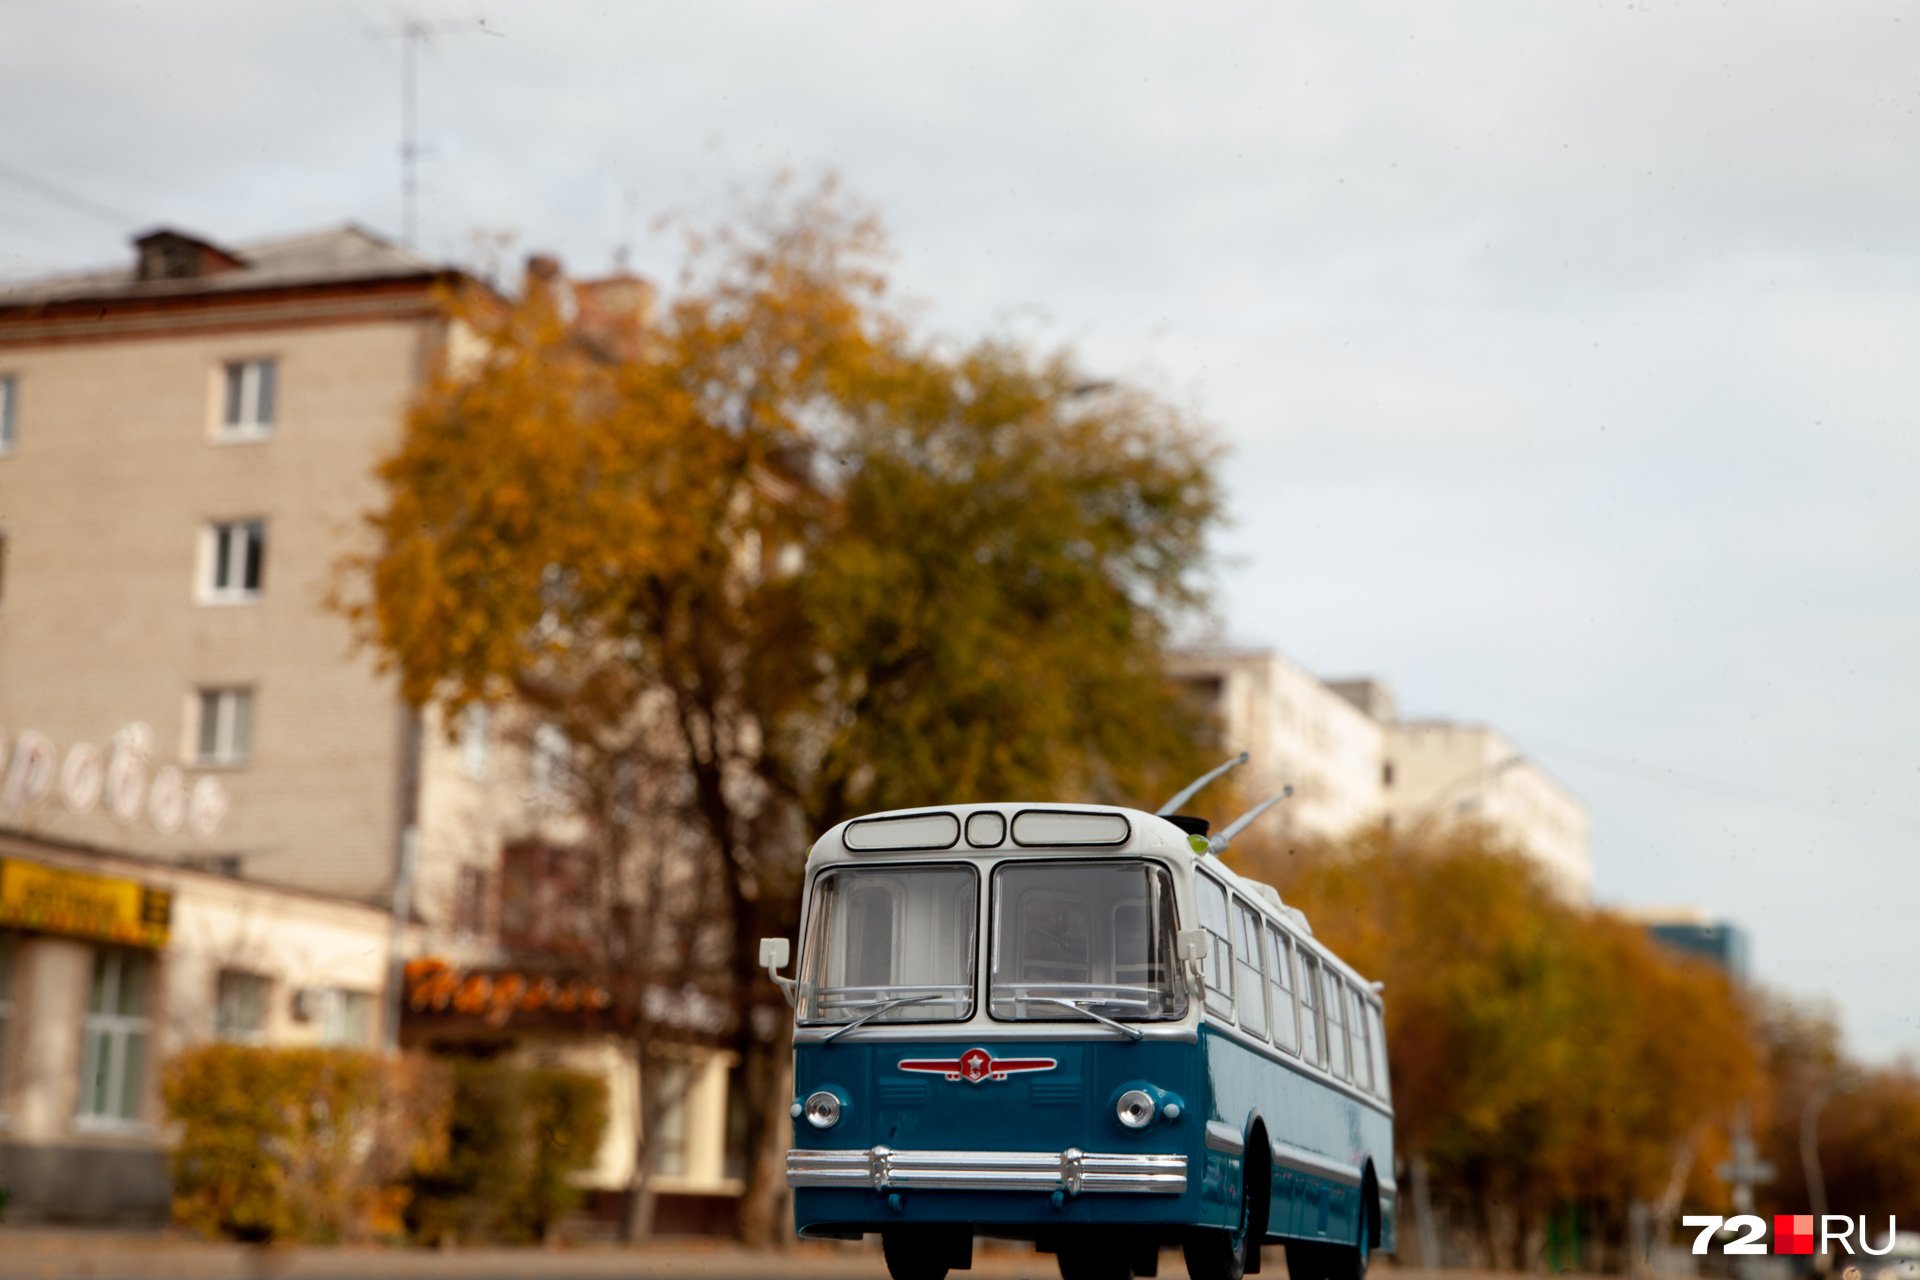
(243, 420)
(1251, 980)
(113, 1033)
(232, 1035)
(1217, 985)
(231, 745)
(476, 742)
(9, 412)
(334, 1027)
(225, 544)
(1283, 989)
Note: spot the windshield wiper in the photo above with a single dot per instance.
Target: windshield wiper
(891, 1004)
(1081, 1007)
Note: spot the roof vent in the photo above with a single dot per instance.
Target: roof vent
(168, 255)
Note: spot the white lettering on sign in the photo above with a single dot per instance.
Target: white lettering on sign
(85, 776)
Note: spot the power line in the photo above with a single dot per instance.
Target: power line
(1721, 788)
(60, 195)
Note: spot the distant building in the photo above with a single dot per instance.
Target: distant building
(1695, 932)
(1353, 762)
(1433, 772)
(191, 748)
(1299, 732)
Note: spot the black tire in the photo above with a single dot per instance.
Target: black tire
(909, 1258)
(1232, 1255)
(1318, 1260)
(1094, 1261)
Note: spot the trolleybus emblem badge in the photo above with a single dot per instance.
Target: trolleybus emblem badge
(977, 1065)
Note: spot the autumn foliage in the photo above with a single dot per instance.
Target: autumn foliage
(300, 1144)
(1543, 1055)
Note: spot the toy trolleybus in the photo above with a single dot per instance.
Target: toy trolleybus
(1072, 1024)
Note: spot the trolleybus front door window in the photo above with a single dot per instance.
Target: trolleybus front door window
(1213, 918)
(1312, 1037)
(1251, 977)
(1286, 1023)
(1091, 937)
(890, 944)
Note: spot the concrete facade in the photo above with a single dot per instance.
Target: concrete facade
(1298, 731)
(1353, 762)
(1436, 772)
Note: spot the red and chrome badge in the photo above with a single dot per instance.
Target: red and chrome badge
(976, 1065)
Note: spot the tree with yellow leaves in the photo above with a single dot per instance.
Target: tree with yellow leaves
(1543, 1055)
(777, 560)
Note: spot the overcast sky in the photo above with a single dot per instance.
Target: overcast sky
(1568, 352)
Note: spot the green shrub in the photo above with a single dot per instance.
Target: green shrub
(516, 1137)
(300, 1144)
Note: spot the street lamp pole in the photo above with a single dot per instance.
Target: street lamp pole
(1488, 772)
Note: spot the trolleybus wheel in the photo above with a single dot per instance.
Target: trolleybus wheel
(1095, 1260)
(925, 1254)
(1314, 1260)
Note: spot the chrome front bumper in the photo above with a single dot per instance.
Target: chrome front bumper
(1072, 1171)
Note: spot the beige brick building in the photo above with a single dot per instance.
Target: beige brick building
(187, 445)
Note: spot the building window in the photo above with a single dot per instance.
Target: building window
(9, 411)
(240, 1008)
(346, 1018)
(476, 743)
(114, 1060)
(233, 558)
(546, 897)
(225, 734)
(248, 400)
(470, 901)
(549, 765)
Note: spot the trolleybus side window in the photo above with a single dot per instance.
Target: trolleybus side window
(1382, 1082)
(1312, 1032)
(1213, 918)
(1362, 1040)
(1071, 938)
(896, 943)
(1251, 977)
(1286, 1025)
(1339, 1048)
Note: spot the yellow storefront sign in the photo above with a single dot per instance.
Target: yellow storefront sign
(72, 902)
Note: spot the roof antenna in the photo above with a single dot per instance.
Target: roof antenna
(1193, 788)
(413, 33)
(1218, 843)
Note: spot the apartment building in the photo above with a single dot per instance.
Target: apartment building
(1352, 762)
(187, 443)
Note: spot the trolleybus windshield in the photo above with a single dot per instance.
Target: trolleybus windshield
(890, 944)
(1084, 938)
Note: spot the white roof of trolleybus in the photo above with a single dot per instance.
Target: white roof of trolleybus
(1147, 834)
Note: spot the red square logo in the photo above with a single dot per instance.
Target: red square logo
(1793, 1233)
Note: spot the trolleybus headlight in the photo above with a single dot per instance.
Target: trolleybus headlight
(1135, 1109)
(823, 1110)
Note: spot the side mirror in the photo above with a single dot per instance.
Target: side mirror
(774, 954)
(1191, 946)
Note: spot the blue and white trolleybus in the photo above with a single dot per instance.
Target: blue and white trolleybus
(1073, 1024)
